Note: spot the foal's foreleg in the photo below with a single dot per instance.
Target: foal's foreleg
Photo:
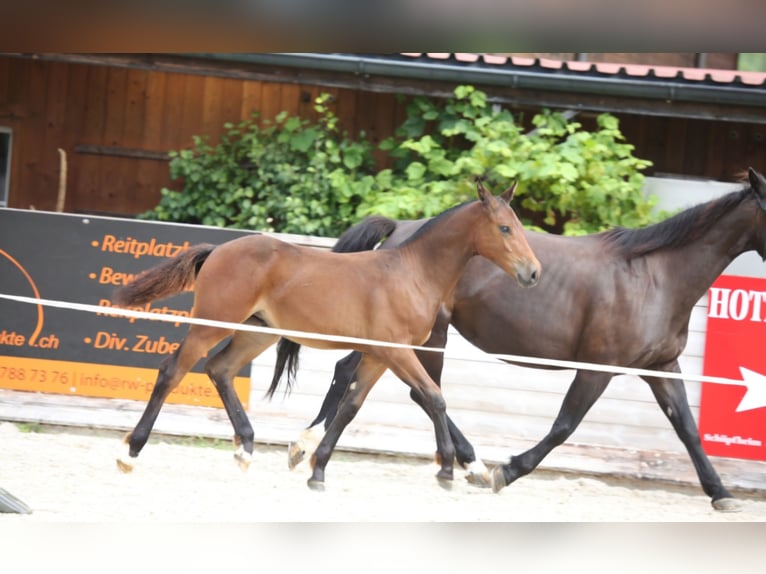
(671, 396)
(433, 362)
(222, 368)
(405, 365)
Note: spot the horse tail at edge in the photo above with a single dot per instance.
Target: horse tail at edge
(363, 236)
(168, 278)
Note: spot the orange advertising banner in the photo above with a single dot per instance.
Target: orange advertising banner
(82, 259)
(108, 381)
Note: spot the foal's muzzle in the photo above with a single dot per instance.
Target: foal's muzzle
(529, 276)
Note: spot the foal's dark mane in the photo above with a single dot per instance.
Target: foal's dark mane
(433, 221)
(676, 231)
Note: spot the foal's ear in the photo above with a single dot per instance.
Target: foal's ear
(482, 191)
(757, 181)
(507, 195)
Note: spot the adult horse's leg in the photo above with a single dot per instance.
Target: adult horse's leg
(307, 441)
(222, 368)
(586, 388)
(671, 396)
(197, 342)
(365, 377)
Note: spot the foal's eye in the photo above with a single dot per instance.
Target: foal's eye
(505, 229)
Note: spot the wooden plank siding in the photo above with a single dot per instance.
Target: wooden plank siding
(52, 104)
(55, 103)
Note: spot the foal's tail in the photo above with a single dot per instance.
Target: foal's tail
(168, 278)
(363, 236)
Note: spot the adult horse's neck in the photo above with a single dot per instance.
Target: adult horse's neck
(702, 241)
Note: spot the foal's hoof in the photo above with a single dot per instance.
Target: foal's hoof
(315, 485)
(497, 479)
(728, 504)
(125, 462)
(478, 475)
(295, 454)
(243, 459)
(125, 465)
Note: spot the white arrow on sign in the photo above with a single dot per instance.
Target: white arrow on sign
(755, 396)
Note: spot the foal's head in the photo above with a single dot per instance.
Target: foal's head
(501, 237)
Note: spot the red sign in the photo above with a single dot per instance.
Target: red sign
(732, 419)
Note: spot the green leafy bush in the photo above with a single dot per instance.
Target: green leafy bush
(296, 176)
(571, 180)
(291, 176)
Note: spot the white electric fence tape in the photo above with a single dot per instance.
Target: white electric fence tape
(617, 370)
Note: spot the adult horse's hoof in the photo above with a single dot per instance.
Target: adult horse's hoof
(445, 479)
(728, 504)
(243, 459)
(478, 475)
(498, 479)
(315, 485)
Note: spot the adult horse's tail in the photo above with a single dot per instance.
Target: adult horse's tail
(363, 236)
(168, 278)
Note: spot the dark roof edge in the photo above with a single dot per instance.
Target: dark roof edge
(665, 89)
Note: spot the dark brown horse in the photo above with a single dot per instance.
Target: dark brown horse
(391, 295)
(622, 297)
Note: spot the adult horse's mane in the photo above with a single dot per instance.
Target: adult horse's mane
(676, 231)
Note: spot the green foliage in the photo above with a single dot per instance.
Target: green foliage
(295, 176)
(571, 180)
(290, 175)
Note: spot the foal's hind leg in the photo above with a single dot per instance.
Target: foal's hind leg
(671, 396)
(196, 343)
(222, 368)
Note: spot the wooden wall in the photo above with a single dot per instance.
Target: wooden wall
(116, 124)
(134, 117)
(696, 148)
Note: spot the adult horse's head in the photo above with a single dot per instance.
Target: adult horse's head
(502, 241)
(758, 186)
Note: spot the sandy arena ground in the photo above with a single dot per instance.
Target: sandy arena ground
(68, 475)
